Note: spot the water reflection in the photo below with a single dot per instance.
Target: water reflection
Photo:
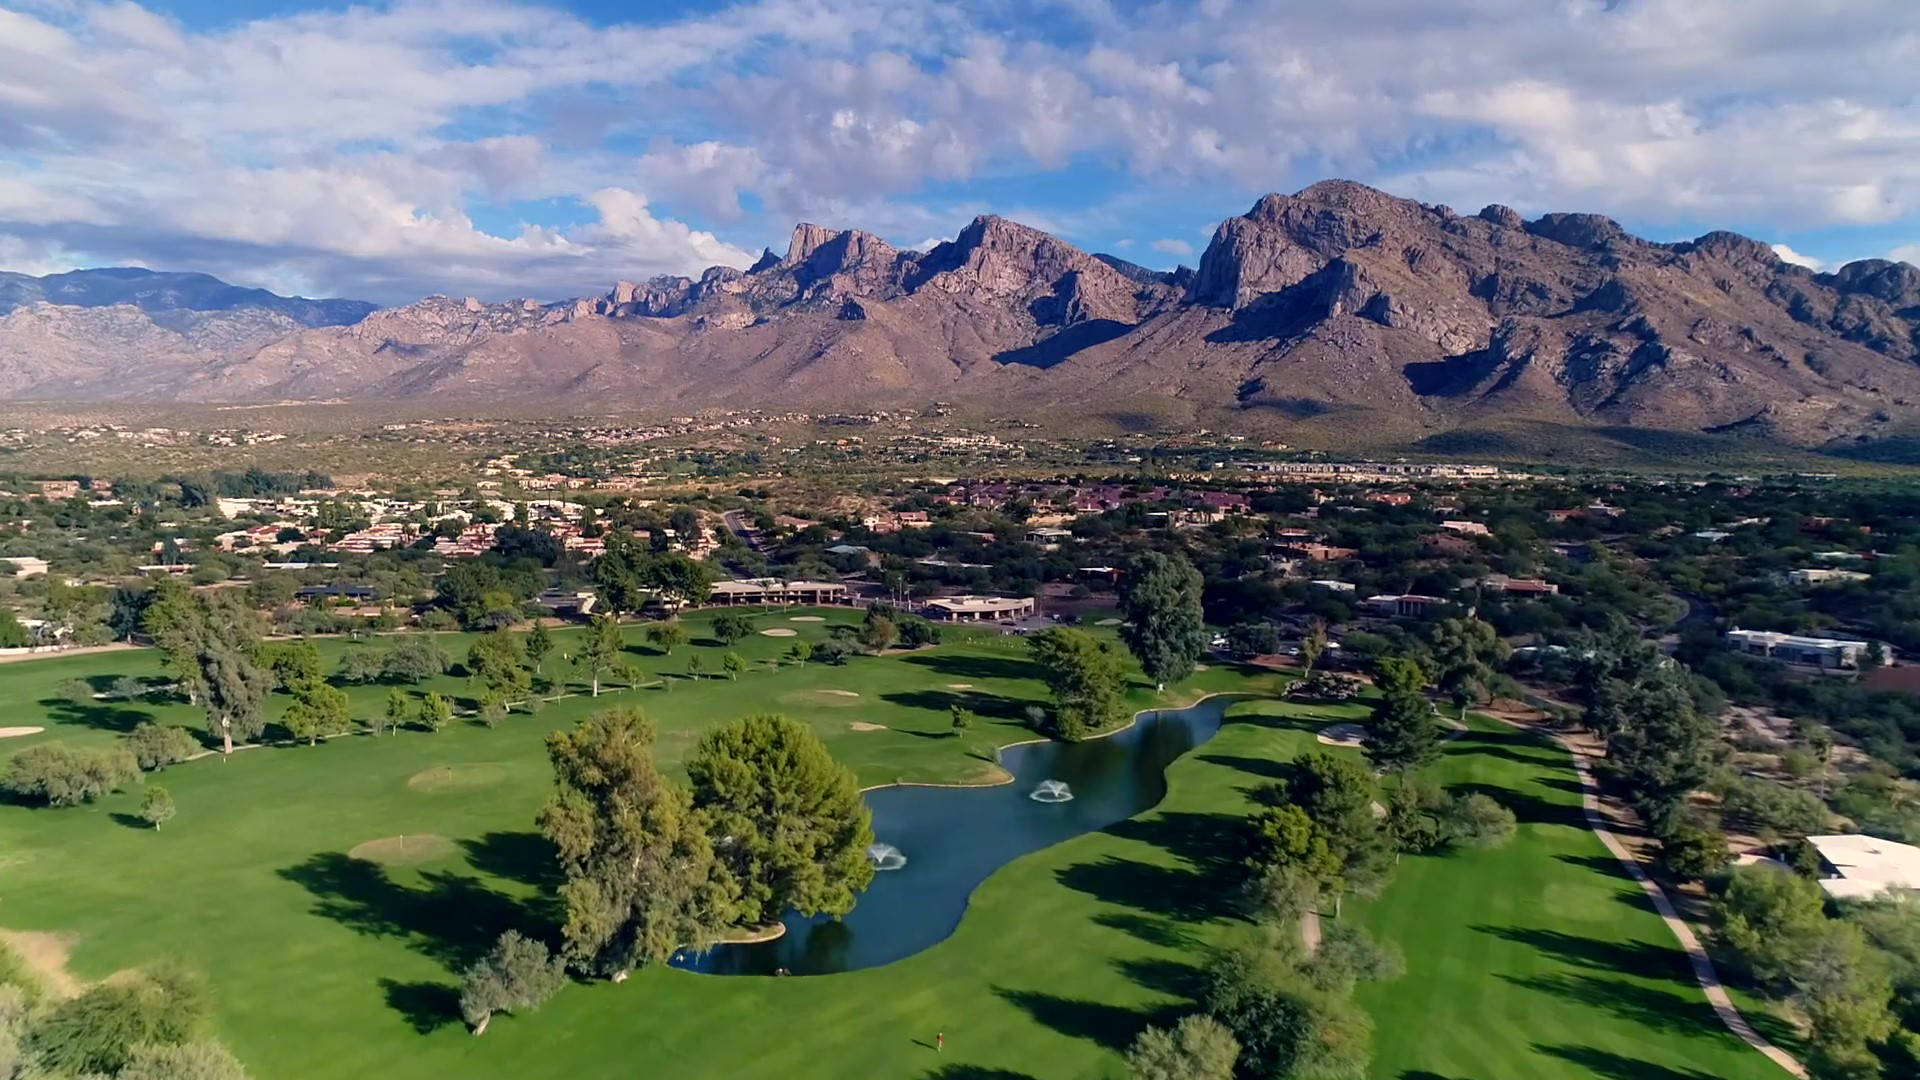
(956, 837)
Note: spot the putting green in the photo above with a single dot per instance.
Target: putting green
(403, 850)
(447, 778)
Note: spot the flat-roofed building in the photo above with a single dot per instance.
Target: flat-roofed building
(980, 608)
(1833, 654)
(1406, 604)
(1858, 867)
(773, 591)
(24, 566)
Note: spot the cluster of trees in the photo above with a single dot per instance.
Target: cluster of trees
(770, 823)
(152, 1025)
(629, 576)
(1661, 744)
(1853, 976)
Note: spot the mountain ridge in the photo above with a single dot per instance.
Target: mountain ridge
(1339, 304)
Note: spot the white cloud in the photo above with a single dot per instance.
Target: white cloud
(1906, 253)
(1788, 255)
(1177, 248)
(357, 146)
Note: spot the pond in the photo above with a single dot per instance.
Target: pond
(952, 839)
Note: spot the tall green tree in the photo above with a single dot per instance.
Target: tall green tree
(732, 626)
(436, 711)
(232, 682)
(1197, 1048)
(733, 664)
(1661, 747)
(602, 650)
(318, 711)
(666, 636)
(1164, 625)
(1403, 734)
(641, 879)
(1465, 651)
(539, 643)
(1313, 643)
(498, 661)
(517, 975)
(788, 819)
(397, 711)
(1085, 677)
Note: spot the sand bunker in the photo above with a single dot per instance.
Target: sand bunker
(959, 686)
(16, 732)
(862, 725)
(779, 631)
(821, 699)
(806, 618)
(457, 777)
(1109, 622)
(841, 693)
(1349, 735)
(403, 850)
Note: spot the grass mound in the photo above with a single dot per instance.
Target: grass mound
(443, 778)
(406, 850)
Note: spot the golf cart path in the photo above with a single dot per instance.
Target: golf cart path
(1703, 969)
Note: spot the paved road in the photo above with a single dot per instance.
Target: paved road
(737, 524)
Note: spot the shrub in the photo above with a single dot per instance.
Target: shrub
(517, 975)
(156, 746)
(413, 660)
(60, 775)
(188, 1061)
(1197, 1048)
(1478, 821)
(78, 691)
(101, 1030)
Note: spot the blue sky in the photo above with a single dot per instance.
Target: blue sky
(500, 148)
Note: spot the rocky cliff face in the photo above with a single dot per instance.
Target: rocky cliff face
(1339, 304)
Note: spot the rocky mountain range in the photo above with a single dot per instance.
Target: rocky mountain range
(1339, 307)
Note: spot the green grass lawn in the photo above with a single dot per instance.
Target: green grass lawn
(330, 966)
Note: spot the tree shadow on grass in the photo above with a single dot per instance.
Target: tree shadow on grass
(1528, 809)
(943, 701)
(100, 715)
(426, 1006)
(1111, 1026)
(1644, 1006)
(975, 667)
(1162, 932)
(526, 857)
(1286, 721)
(1206, 841)
(1615, 957)
(1161, 890)
(131, 821)
(452, 918)
(975, 1072)
(1263, 767)
(1600, 864)
(1169, 977)
(1612, 1066)
(1513, 746)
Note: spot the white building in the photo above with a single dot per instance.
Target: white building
(1857, 867)
(980, 608)
(25, 565)
(1833, 654)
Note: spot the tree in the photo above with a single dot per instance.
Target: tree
(362, 664)
(1693, 853)
(1403, 734)
(733, 664)
(833, 652)
(666, 636)
(1464, 652)
(493, 709)
(1253, 638)
(539, 643)
(517, 975)
(732, 626)
(1313, 644)
(290, 662)
(1164, 624)
(602, 650)
(185, 1061)
(1661, 747)
(318, 711)
(791, 826)
(233, 684)
(640, 876)
(156, 746)
(1085, 677)
(696, 668)
(436, 711)
(679, 580)
(800, 652)
(156, 808)
(13, 635)
(498, 661)
(1476, 820)
(397, 712)
(1346, 956)
(962, 719)
(57, 774)
(99, 1030)
(1286, 1027)
(1769, 919)
(414, 659)
(1197, 1048)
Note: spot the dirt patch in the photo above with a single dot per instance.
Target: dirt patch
(45, 955)
(778, 631)
(1348, 735)
(16, 732)
(862, 725)
(457, 777)
(959, 686)
(806, 618)
(409, 850)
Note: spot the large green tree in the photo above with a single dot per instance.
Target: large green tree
(1164, 626)
(1403, 733)
(1465, 652)
(1661, 747)
(498, 661)
(787, 819)
(318, 711)
(641, 879)
(602, 650)
(1085, 676)
(231, 680)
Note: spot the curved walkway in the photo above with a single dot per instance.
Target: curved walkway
(1703, 970)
